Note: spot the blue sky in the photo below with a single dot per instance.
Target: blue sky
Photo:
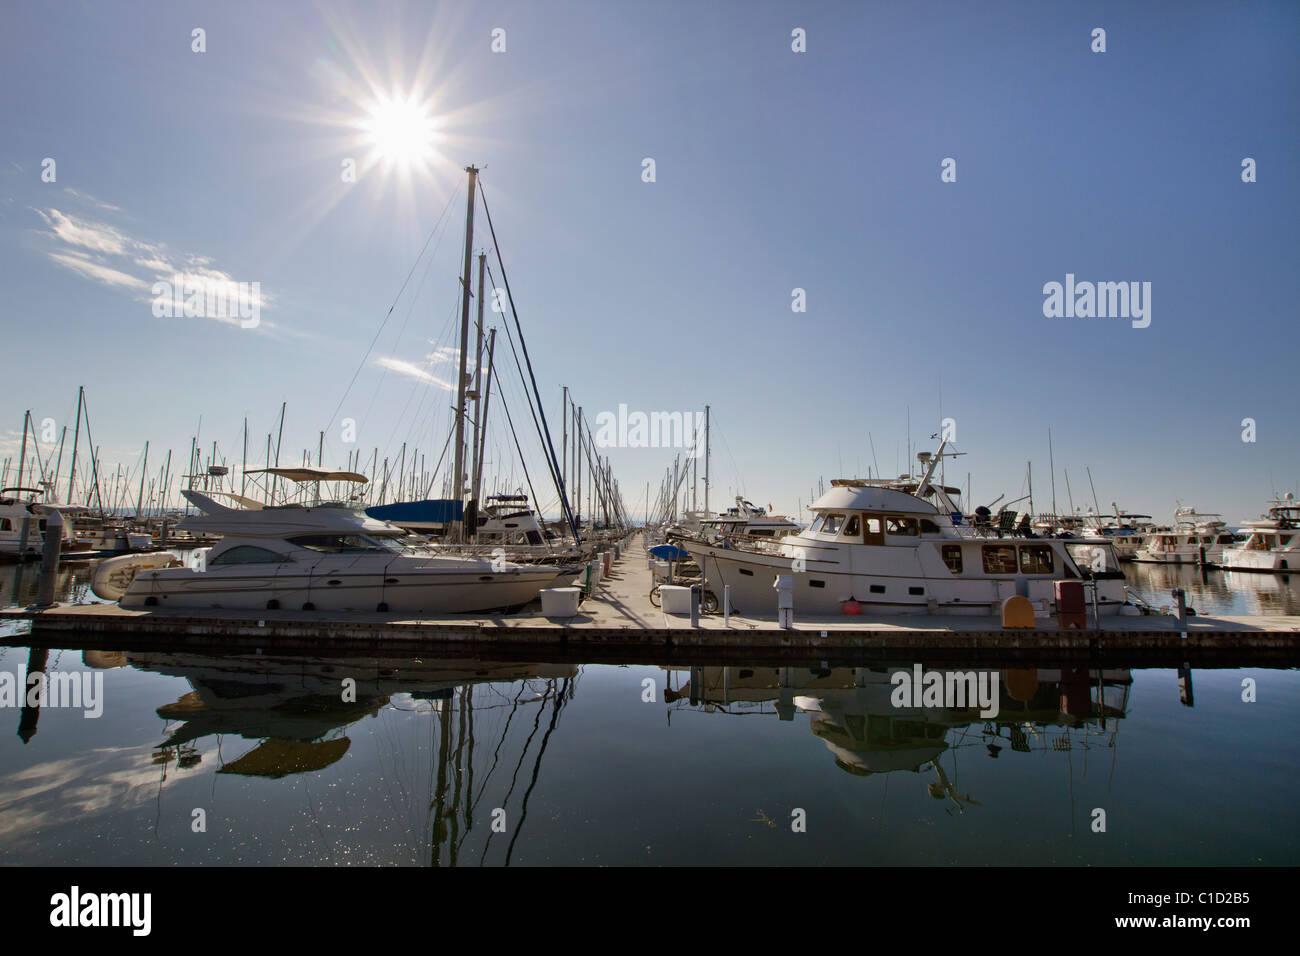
(775, 170)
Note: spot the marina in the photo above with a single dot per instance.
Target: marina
(602, 435)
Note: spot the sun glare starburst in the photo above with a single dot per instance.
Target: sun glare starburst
(402, 132)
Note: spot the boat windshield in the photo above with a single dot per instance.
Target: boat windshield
(345, 543)
(1094, 557)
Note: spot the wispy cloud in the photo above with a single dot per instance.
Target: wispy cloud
(103, 253)
(98, 271)
(87, 198)
(411, 370)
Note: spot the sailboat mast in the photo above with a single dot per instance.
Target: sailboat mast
(22, 457)
(476, 466)
(458, 469)
(76, 438)
(1051, 461)
(139, 499)
(481, 426)
(706, 460)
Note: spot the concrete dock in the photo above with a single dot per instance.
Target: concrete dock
(619, 615)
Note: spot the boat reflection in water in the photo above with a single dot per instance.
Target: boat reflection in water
(852, 711)
(402, 760)
(299, 712)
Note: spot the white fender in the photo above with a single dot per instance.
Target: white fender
(113, 576)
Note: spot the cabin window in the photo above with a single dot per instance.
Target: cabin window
(342, 543)
(832, 524)
(999, 559)
(1225, 539)
(874, 530)
(901, 526)
(928, 526)
(854, 527)
(1036, 559)
(247, 554)
(817, 525)
(6, 524)
(952, 557)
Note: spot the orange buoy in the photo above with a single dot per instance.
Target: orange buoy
(852, 607)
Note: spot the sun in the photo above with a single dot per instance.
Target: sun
(402, 132)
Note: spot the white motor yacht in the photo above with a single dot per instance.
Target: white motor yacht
(1272, 542)
(19, 505)
(891, 551)
(325, 556)
(1195, 538)
(746, 518)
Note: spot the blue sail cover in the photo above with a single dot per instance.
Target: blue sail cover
(429, 511)
(668, 552)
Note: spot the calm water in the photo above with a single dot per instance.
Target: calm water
(576, 767)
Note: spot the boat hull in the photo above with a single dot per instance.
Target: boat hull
(337, 589)
(751, 575)
(1242, 559)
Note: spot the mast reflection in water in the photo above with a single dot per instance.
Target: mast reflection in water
(461, 762)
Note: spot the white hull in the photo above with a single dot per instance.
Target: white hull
(332, 586)
(822, 589)
(1182, 555)
(1242, 559)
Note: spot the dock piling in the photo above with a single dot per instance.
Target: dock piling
(50, 560)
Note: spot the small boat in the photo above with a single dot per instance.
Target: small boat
(746, 518)
(21, 505)
(1195, 538)
(1127, 532)
(1272, 542)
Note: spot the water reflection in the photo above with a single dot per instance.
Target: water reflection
(454, 762)
(299, 712)
(1213, 591)
(853, 712)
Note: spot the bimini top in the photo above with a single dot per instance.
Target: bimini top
(310, 473)
(868, 498)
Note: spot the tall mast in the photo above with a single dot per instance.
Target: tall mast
(139, 500)
(76, 437)
(480, 433)
(1051, 461)
(22, 457)
(706, 460)
(458, 470)
(564, 441)
(476, 466)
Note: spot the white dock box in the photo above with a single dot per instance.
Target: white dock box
(676, 599)
(560, 602)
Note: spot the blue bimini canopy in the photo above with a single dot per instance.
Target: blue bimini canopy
(669, 552)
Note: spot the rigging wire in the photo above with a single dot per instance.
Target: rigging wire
(389, 313)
